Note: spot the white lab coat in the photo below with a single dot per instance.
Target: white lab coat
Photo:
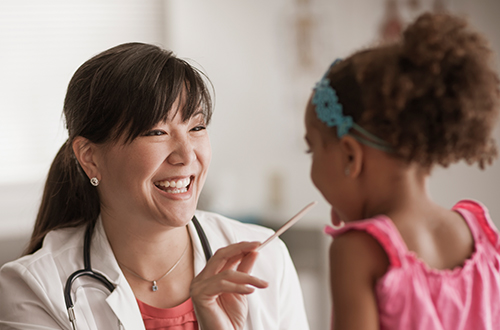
(31, 288)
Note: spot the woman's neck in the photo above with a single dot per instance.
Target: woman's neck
(146, 252)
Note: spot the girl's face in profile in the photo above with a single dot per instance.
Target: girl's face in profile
(160, 174)
(326, 172)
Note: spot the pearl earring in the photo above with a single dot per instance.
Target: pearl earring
(347, 171)
(94, 181)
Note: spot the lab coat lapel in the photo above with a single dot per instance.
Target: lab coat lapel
(122, 300)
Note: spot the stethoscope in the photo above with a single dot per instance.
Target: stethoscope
(87, 270)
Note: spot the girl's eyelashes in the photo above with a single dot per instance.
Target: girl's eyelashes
(308, 151)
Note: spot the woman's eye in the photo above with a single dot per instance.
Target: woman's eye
(308, 151)
(155, 132)
(198, 128)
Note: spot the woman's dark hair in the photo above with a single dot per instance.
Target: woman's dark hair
(121, 92)
(433, 96)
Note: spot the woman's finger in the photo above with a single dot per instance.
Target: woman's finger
(238, 277)
(229, 281)
(243, 263)
(229, 255)
(247, 262)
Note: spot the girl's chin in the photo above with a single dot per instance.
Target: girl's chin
(336, 220)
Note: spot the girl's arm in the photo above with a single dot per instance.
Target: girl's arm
(357, 261)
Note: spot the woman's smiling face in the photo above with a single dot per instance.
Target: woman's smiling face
(158, 175)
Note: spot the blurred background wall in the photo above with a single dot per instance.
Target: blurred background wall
(263, 57)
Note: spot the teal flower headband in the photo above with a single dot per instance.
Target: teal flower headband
(330, 111)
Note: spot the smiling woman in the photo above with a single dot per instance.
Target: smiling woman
(125, 187)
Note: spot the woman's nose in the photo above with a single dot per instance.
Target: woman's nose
(182, 152)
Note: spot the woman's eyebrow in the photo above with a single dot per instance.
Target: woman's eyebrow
(198, 113)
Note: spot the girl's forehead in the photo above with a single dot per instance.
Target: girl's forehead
(309, 111)
(311, 118)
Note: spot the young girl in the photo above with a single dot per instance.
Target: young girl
(376, 124)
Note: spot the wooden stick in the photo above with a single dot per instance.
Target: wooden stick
(288, 224)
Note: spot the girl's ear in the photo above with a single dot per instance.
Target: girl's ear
(85, 153)
(353, 156)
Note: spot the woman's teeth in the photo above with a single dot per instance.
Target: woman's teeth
(177, 187)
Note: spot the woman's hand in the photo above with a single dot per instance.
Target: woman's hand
(219, 291)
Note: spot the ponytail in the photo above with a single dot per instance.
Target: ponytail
(434, 96)
(68, 200)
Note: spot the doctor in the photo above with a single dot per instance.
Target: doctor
(118, 240)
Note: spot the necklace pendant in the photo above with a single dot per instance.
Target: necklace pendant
(154, 287)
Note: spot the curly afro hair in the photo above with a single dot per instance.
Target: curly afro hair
(433, 96)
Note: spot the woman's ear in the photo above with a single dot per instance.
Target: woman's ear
(353, 156)
(85, 153)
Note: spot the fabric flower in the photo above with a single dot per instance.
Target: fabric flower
(328, 108)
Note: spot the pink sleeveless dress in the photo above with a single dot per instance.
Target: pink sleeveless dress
(412, 296)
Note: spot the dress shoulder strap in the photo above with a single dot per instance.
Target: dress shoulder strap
(383, 230)
(478, 219)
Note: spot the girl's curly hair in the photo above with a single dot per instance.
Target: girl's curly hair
(433, 96)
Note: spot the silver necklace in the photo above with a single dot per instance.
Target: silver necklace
(155, 286)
